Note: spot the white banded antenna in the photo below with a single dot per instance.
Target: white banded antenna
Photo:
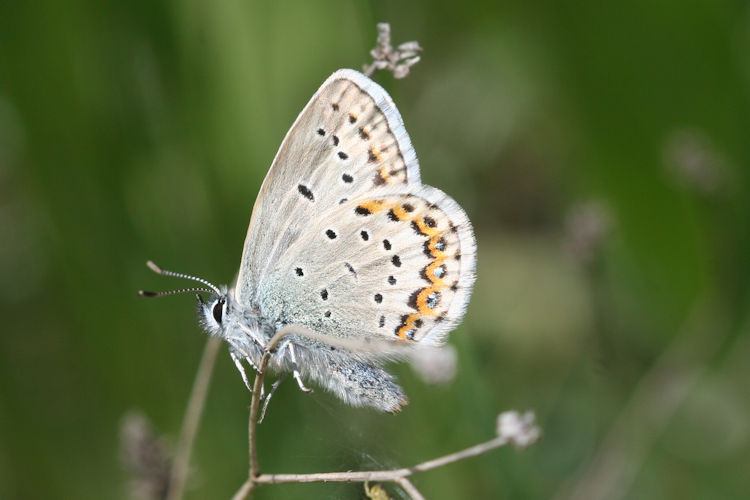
(164, 272)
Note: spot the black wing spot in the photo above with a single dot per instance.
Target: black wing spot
(454, 286)
(350, 268)
(335, 140)
(360, 210)
(363, 134)
(429, 221)
(391, 280)
(418, 323)
(299, 271)
(331, 234)
(381, 321)
(386, 244)
(335, 106)
(352, 118)
(396, 260)
(305, 191)
(365, 235)
(321, 131)
(343, 155)
(408, 207)
(392, 216)
(327, 314)
(324, 294)
(378, 298)
(343, 200)
(347, 178)
(416, 228)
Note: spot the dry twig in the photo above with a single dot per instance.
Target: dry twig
(398, 61)
(513, 428)
(179, 471)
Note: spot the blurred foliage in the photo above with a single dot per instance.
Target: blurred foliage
(136, 130)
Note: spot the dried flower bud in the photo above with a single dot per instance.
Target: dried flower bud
(398, 61)
(435, 365)
(145, 456)
(693, 162)
(518, 429)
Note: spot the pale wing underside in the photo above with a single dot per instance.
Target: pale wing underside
(348, 140)
(397, 263)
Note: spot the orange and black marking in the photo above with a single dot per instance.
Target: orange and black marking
(373, 155)
(425, 300)
(382, 177)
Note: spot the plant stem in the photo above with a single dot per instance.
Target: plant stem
(192, 418)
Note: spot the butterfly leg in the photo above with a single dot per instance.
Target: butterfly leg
(268, 398)
(288, 346)
(238, 364)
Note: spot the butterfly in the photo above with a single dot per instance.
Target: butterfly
(346, 248)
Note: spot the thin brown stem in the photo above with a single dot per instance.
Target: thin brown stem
(384, 475)
(254, 471)
(409, 488)
(245, 490)
(253, 420)
(178, 474)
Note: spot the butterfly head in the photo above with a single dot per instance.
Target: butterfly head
(212, 313)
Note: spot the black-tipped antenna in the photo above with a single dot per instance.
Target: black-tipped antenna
(144, 293)
(159, 270)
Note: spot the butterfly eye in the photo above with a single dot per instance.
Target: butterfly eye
(218, 310)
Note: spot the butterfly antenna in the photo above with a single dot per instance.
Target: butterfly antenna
(164, 272)
(144, 293)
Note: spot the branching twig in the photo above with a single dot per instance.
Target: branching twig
(512, 428)
(393, 474)
(193, 414)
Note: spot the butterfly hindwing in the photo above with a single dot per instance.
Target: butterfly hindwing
(348, 140)
(392, 264)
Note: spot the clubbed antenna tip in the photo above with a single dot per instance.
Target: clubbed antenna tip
(154, 267)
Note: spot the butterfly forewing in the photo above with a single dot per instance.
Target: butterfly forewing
(348, 140)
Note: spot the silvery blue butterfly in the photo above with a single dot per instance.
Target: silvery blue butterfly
(346, 244)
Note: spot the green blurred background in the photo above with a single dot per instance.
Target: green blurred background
(600, 148)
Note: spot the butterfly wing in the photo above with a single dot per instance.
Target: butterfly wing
(395, 264)
(348, 140)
